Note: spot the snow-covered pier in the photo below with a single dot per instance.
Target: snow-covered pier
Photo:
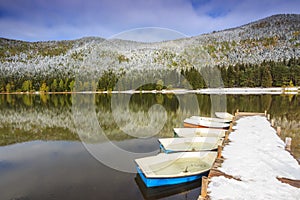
(254, 164)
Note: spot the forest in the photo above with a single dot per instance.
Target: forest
(266, 74)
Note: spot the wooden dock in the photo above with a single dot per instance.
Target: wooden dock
(215, 172)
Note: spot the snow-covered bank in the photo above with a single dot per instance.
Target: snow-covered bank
(256, 156)
(274, 90)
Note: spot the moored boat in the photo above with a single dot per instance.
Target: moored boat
(211, 119)
(194, 123)
(171, 145)
(224, 115)
(199, 132)
(175, 168)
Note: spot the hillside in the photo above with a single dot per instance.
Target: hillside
(275, 39)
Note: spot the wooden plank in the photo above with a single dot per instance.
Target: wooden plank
(250, 114)
(204, 186)
(219, 151)
(294, 183)
(215, 172)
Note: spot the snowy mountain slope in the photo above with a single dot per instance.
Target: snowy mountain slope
(275, 38)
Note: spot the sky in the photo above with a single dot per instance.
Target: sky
(43, 20)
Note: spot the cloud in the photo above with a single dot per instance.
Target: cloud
(65, 19)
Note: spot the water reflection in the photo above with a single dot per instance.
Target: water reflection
(41, 156)
(168, 191)
(59, 170)
(49, 117)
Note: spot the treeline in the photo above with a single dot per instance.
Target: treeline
(52, 84)
(34, 84)
(267, 74)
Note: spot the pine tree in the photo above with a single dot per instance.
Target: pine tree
(26, 86)
(230, 76)
(53, 86)
(61, 86)
(266, 77)
(44, 87)
(8, 87)
(71, 85)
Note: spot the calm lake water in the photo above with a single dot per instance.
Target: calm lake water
(42, 157)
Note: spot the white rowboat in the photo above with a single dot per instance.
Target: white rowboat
(211, 119)
(199, 132)
(171, 145)
(194, 123)
(224, 115)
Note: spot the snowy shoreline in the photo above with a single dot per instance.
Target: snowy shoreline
(273, 90)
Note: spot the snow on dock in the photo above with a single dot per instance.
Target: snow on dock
(253, 163)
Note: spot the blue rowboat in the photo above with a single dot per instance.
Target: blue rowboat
(176, 168)
(165, 191)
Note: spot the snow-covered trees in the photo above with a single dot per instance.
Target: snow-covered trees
(58, 64)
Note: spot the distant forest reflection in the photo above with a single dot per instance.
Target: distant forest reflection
(49, 117)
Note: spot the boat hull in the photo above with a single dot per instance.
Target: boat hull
(211, 119)
(163, 149)
(164, 191)
(191, 125)
(156, 182)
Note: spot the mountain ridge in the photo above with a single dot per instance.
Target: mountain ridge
(272, 39)
(272, 17)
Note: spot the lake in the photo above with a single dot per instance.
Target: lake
(42, 156)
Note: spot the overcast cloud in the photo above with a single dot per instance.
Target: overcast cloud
(34, 20)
